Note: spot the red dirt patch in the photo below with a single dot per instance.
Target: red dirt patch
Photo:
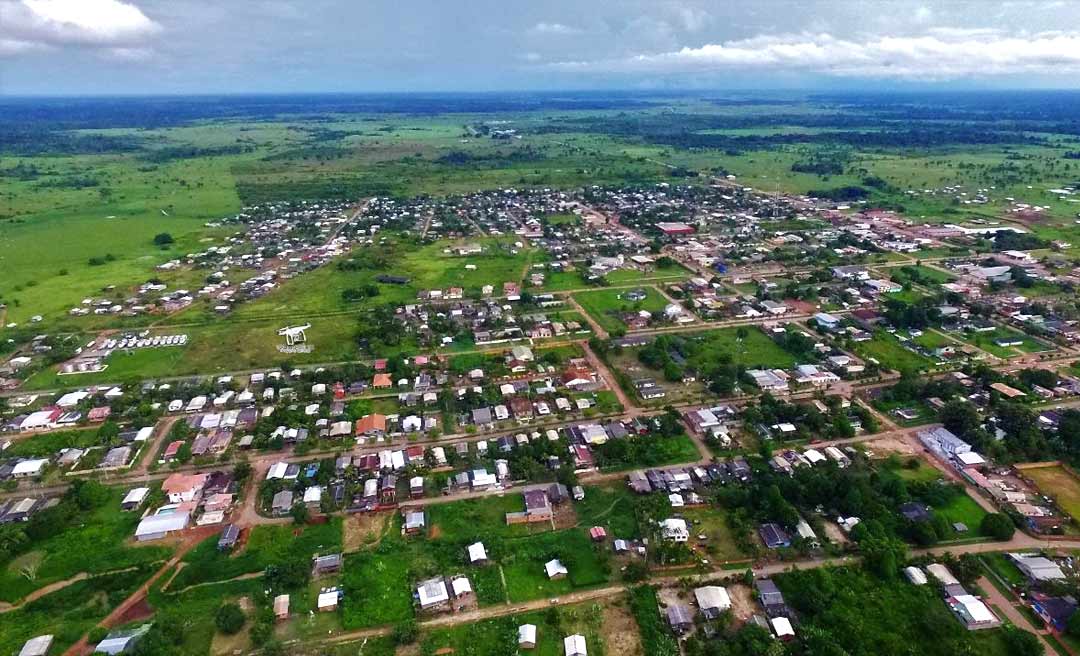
(140, 610)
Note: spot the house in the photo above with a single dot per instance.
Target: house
(1055, 611)
(134, 498)
(674, 529)
(555, 569)
(38, 646)
(774, 536)
(915, 575)
(282, 503)
(477, 553)
(680, 619)
(328, 564)
(415, 521)
(432, 594)
(328, 600)
(228, 538)
(184, 487)
(712, 600)
(915, 512)
(782, 628)
(527, 636)
(575, 645)
(373, 425)
(29, 468)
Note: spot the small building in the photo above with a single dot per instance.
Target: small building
(156, 527)
(555, 569)
(282, 503)
(228, 538)
(432, 594)
(38, 646)
(477, 553)
(781, 626)
(281, 607)
(328, 600)
(527, 636)
(712, 600)
(680, 619)
(574, 645)
(121, 642)
(915, 575)
(328, 564)
(134, 498)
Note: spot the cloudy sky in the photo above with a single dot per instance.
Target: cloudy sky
(214, 46)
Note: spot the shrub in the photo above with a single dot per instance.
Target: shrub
(229, 619)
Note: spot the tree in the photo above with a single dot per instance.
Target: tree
(163, 239)
(997, 526)
(229, 618)
(1073, 627)
(300, 514)
(960, 417)
(1021, 643)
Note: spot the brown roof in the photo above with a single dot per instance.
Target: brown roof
(370, 423)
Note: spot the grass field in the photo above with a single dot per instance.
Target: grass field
(68, 613)
(719, 542)
(610, 506)
(1060, 484)
(985, 341)
(492, 636)
(962, 508)
(265, 545)
(99, 544)
(755, 350)
(888, 351)
(605, 305)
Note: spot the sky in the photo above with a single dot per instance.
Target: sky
(103, 47)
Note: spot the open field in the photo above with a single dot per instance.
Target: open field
(606, 305)
(100, 543)
(888, 351)
(1060, 484)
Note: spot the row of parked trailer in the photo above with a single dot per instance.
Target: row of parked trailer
(145, 342)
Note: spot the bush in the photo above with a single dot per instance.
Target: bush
(96, 634)
(229, 619)
(163, 239)
(406, 633)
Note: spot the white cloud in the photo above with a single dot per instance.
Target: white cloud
(112, 25)
(939, 54)
(554, 28)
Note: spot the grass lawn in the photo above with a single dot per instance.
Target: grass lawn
(524, 558)
(1000, 564)
(101, 543)
(711, 522)
(986, 342)
(890, 353)
(610, 506)
(755, 350)
(605, 305)
(1060, 484)
(492, 636)
(265, 545)
(923, 473)
(962, 508)
(476, 519)
(48, 444)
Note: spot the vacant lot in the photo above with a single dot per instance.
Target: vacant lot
(606, 305)
(888, 351)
